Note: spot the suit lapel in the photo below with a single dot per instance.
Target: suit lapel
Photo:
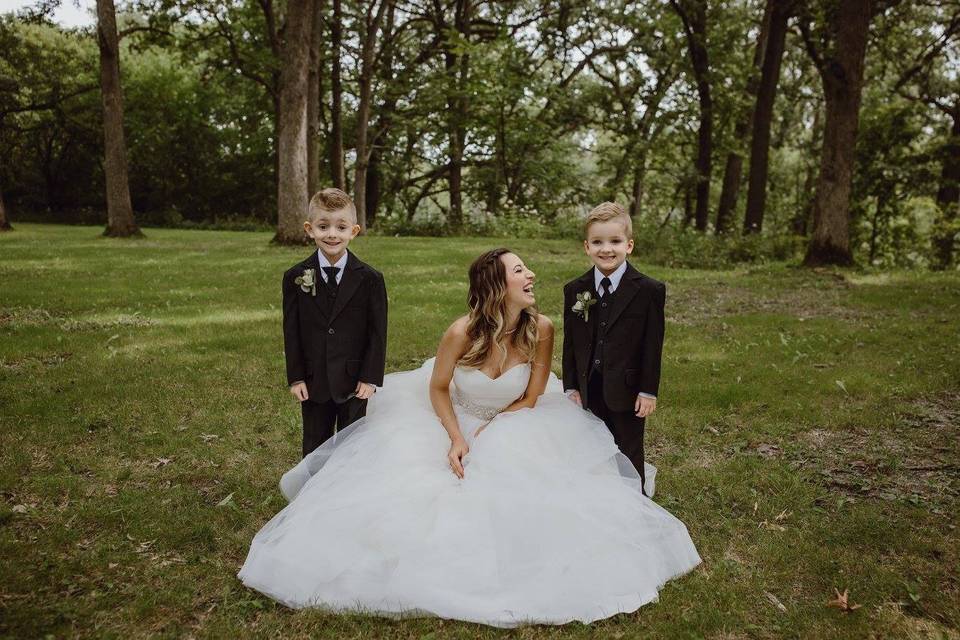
(586, 283)
(625, 292)
(349, 284)
(314, 263)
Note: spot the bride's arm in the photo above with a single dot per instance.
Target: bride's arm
(539, 368)
(453, 344)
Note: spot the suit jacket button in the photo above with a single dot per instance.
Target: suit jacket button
(596, 362)
(330, 331)
(603, 304)
(603, 324)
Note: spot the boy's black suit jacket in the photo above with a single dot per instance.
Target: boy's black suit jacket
(331, 344)
(633, 339)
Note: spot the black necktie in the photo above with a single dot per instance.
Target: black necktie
(605, 287)
(331, 276)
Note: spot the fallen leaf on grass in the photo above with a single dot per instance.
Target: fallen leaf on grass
(161, 462)
(19, 508)
(225, 501)
(771, 526)
(208, 437)
(775, 601)
(842, 386)
(842, 601)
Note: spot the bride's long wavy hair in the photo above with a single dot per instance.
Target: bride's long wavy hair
(486, 323)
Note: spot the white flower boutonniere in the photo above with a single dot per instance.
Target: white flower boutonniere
(582, 306)
(308, 281)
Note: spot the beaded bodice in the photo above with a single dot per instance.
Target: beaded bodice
(484, 397)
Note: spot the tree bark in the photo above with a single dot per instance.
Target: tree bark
(733, 171)
(372, 22)
(948, 195)
(292, 196)
(4, 221)
(763, 117)
(841, 72)
(338, 175)
(120, 220)
(695, 25)
(313, 99)
(458, 69)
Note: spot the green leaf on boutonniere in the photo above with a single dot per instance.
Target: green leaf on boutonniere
(308, 281)
(581, 307)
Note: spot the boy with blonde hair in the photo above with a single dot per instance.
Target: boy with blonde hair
(613, 333)
(334, 323)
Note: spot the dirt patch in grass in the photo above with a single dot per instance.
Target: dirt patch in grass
(918, 461)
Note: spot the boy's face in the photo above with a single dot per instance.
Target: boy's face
(332, 231)
(607, 245)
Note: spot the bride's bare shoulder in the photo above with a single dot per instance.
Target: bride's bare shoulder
(457, 331)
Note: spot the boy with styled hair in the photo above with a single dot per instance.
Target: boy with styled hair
(613, 333)
(334, 323)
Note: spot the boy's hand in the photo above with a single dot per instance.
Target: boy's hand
(364, 391)
(575, 396)
(299, 391)
(644, 406)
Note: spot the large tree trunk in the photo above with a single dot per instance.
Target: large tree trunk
(693, 13)
(120, 221)
(313, 99)
(733, 171)
(458, 69)
(4, 221)
(636, 192)
(842, 75)
(292, 196)
(338, 175)
(372, 23)
(763, 117)
(948, 195)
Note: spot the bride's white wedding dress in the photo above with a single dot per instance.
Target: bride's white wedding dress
(548, 526)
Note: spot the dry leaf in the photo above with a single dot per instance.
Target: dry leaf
(208, 437)
(160, 462)
(842, 601)
(225, 501)
(19, 508)
(842, 386)
(775, 601)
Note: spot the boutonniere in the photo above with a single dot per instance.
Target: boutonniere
(308, 281)
(582, 306)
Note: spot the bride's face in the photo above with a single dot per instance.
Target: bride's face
(519, 281)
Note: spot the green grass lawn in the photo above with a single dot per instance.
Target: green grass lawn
(807, 434)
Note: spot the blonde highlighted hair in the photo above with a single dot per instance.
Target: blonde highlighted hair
(486, 324)
(605, 212)
(331, 200)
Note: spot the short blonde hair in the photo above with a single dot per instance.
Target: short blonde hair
(605, 212)
(331, 200)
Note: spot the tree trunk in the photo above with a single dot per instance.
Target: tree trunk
(120, 220)
(733, 171)
(313, 99)
(338, 175)
(842, 76)
(367, 55)
(636, 193)
(292, 196)
(458, 69)
(695, 25)
(763, 117)
(4, 221)
(948, 195)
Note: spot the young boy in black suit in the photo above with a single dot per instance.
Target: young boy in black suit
(334, 323)
(613, 333)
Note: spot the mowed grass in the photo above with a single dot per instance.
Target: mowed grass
(807, 434)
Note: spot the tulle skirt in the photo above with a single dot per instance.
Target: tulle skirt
(549, 524)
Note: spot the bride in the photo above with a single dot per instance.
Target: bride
(473, 489)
